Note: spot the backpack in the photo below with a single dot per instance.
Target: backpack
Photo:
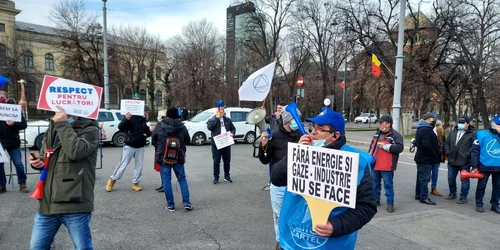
(172, 148)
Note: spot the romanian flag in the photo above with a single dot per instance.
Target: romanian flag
(342, 83)
(375, 65)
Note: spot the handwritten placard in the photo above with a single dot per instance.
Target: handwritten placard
(223, 140)
(135, 107)
(10, 112)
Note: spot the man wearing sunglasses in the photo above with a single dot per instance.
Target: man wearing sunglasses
(342, 226)
(385, 148)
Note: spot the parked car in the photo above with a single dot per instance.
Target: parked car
(365, 118)
(199, 134)
(108, 122)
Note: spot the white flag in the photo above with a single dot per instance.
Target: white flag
(258, 84)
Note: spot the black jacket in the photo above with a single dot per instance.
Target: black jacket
(274, 123)
(459, 153)
(427, 145)
(396, 141)
(134, 129)
(276, 148)
(164, 129)
(9, 135)
(213, 124)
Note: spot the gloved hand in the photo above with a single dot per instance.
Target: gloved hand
(386, 147)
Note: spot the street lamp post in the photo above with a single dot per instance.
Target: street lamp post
(106, 75)
(396, 105)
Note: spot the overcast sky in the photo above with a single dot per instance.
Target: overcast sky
(163, 17)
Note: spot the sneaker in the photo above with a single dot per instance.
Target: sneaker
(3, 190)
(462, 201)
(266, 187)
(228, 179)
(23, 188)
(109, 186)
(216, 180)
(171, 209)
(188, 206)
(451, 197)
(136, 187)
(495, 209)
(480, 209)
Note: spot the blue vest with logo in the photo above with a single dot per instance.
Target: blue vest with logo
(295, 224)
(490, 148)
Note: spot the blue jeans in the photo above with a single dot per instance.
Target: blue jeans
(225, 153)
(452, 181)
(277, 194)
(435, 172)
(423, 179)
(481, 188)
(166, 174)
(45, 228)
(387, 176)
(15, 157)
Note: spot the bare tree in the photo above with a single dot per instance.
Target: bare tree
(82, 43)
(198, 63)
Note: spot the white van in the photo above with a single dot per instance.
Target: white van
(199, 134)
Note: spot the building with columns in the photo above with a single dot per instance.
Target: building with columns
(30, 51)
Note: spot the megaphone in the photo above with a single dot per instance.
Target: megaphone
(257, 117)
(464, 175)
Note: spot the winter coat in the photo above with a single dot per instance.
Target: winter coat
(427, 145)
(459, 154)
(134, 129)
(9, 135)
(169, 127)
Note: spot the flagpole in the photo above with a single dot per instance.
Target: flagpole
(396, 106)
(388, 69)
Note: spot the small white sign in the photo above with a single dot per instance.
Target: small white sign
(323, 173)
(135, 107)
(3, 155)
(223, 140)
(10, 112)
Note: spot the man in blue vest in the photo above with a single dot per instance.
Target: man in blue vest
(485, 156)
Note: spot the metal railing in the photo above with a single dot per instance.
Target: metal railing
(26, 150)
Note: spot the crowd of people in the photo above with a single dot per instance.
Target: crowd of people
(68, 192)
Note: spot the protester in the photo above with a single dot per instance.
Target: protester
(9, 138)
(137, 131)
(220, 124)
(484, 157)
(458, 148)
(275, 121)
(385, 148)
(185, 113)
(68, 194)
(164, 130)
(439, 131)
(343, 223)
(427, 156)
(271, 152)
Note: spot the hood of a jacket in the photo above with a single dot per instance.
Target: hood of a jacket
(422, 123)
(172, 126)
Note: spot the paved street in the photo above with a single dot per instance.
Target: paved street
(238, 215)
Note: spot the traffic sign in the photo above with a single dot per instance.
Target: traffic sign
(300, 81)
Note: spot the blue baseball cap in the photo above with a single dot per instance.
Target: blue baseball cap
(329, 117)
(496, 119)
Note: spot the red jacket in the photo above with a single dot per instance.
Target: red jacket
(386, 160)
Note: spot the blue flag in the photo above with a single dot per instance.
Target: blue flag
(3, 80)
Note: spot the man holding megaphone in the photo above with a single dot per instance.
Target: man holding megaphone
(66, 186)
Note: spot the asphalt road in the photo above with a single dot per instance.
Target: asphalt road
(238, 215)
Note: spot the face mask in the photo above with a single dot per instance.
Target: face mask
(433, 124)
(494, 126)
(318, 143)
(71, 120)
(461, 126)
(383, 130)
(293, 125)
(3, 100)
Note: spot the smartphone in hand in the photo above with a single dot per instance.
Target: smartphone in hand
(33, 155)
